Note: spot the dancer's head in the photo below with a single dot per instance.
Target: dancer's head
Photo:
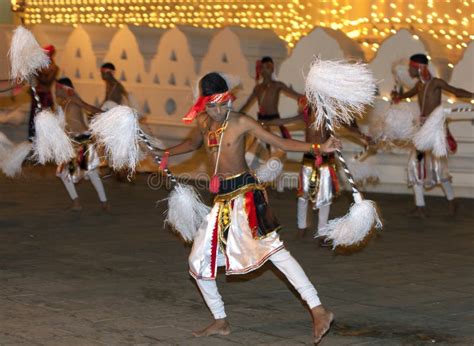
(64, 88)
(107, 71)
(264, 68)
(214, 98)
(418, 64)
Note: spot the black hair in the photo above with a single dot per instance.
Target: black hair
(65, 81)
(108, 65)
(267, 59)
(213, 83)
(420, 58)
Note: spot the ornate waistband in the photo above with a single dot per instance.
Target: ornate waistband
(236, 185)
(268, 116)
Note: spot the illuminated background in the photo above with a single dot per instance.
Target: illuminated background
(368, 22)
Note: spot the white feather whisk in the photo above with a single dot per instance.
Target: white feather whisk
(185, 211)
(26, 56)
(51, 142)
(339, 91)
(400, 121)
(12, 162)
(343, 88)
(117, 129)
(432, 135)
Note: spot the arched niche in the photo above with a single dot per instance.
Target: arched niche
(395, 48)
(235, 50)
(327, 43)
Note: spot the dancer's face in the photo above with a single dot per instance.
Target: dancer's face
(217, 111)
(413, 71)
(267, 68)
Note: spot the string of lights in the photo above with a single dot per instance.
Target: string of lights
(369, 22)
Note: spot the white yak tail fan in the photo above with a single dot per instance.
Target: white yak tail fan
(270, 170)
(432, 135)
(401, 121)
(51, 142)
(186, 211)
(11, 164)
(117, 129)
(26, 55)
(354, 227)
(339, 90)
(363, 172)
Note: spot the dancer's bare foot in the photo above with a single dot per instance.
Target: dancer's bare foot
(322, 319)
(452, 208)
(218, 327)
(76, 205)
(418, 212)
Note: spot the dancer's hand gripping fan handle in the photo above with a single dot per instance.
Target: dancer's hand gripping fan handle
(339, 92)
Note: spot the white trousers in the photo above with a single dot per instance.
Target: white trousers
(420, 197)
(95, 181)
(302, 214)
(286, 264)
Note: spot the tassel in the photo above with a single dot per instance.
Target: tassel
(339, 89)
(354, 227)
(363, 172)
(51, 143)
(117, 129)
(164, 160)
(26, 56)
(186, 211)
(432, 135)
(269, 171)
(214, 184)
(11, 164)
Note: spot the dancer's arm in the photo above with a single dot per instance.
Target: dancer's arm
(91, 110)
(410, 93)
(458, 92)
(249, 125)
(284, 121)
(190, 144)
(289, 91)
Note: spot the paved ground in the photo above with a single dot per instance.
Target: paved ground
(92, 279)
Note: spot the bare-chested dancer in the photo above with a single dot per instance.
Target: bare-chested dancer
(425, 170)
(44, 82)
(86, 162)
(241, 231)
(114, 90)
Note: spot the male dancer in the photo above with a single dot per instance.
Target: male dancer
(241, 231)
(318, 182)
(44, 82)
(425, 170)
(87, 161)
(114, 90)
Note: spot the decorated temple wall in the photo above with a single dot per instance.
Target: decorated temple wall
(160, 69)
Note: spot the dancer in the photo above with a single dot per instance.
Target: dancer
(318, 182)
(424, 169)
(241, 231)
(267, 94)
(114, 90)
(44, 82)
(86, 163)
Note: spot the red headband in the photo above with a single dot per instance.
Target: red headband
(106, 70)
(201, 102)
(49, 49)
(425, 73)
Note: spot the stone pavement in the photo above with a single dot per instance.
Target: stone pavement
(91, 278)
